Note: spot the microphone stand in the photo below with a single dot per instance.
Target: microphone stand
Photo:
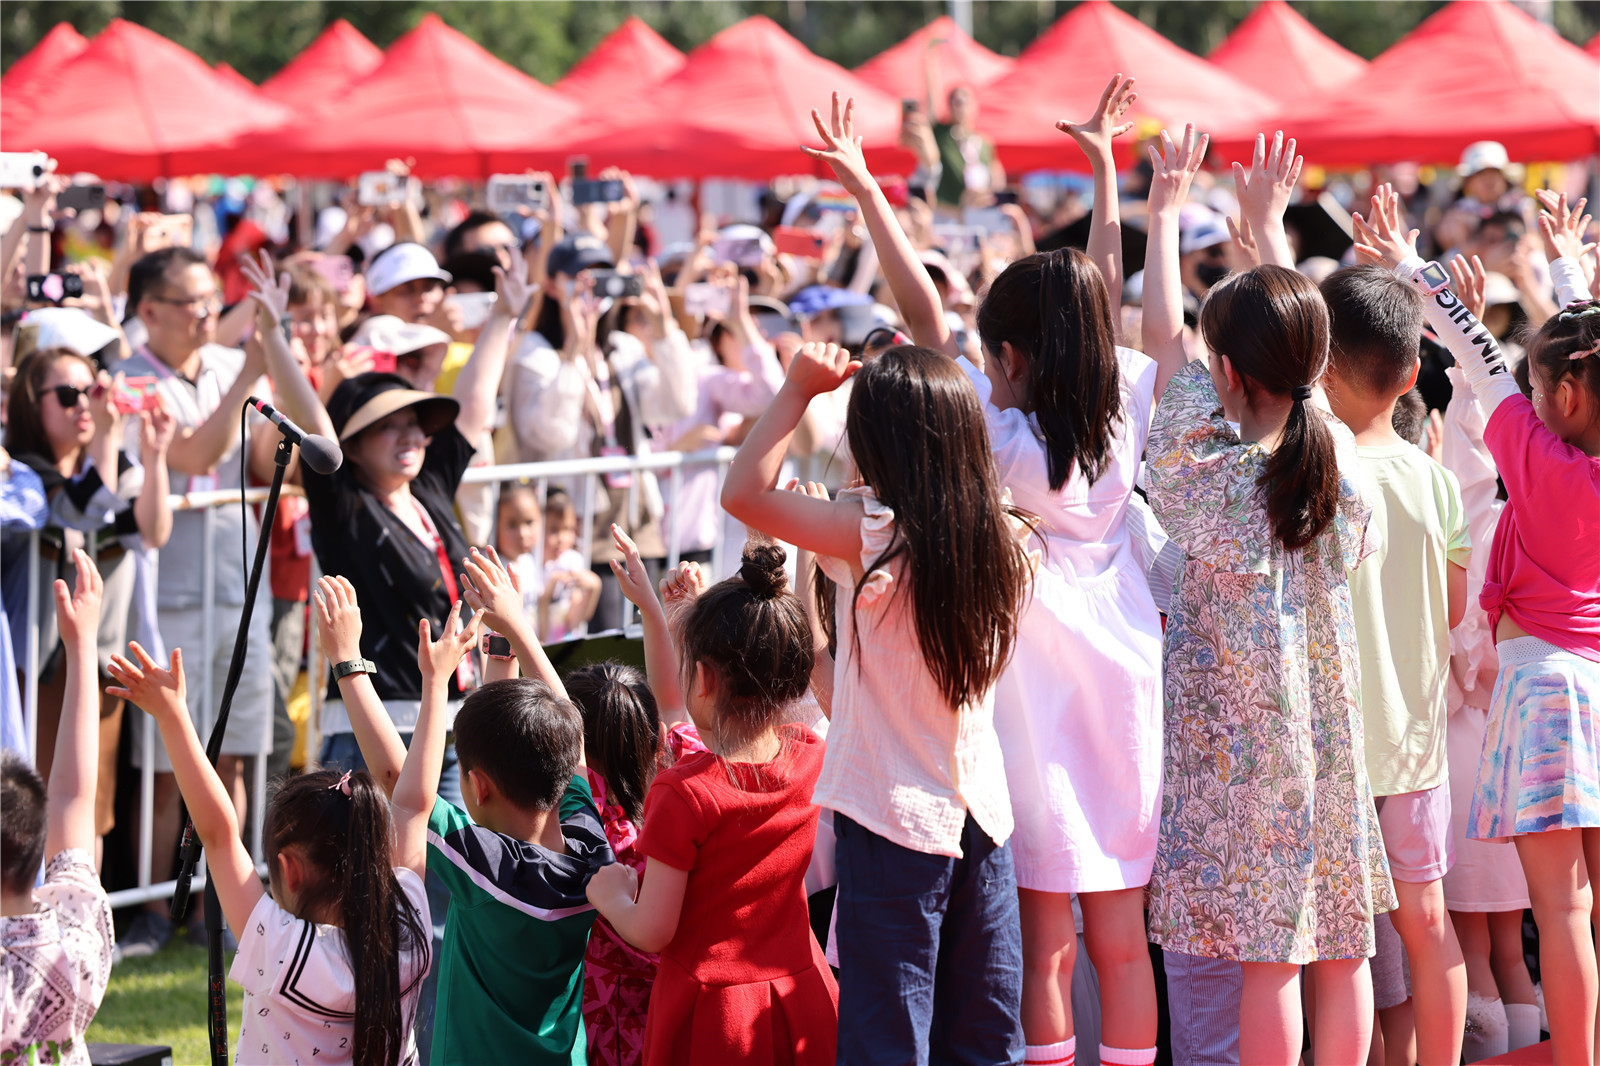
(216, 986)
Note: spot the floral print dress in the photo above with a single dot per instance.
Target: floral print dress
(1269, 848)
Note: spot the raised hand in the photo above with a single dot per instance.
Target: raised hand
(78, 611)
(1382, 237)
(156, 429)
(489, 588)
(818, 368)
(1563, 229)
(159, 693)
(437, 659)
(107, 419)
(512, 284)
(1470, 279)
(338, 618)
(1095, 133)
(1244, 240)
(271, 295)
(680, 588)
(1174, 167)
(1265, 188)
(841, 147)
(629, 569)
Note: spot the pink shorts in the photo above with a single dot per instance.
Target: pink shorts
(1416, 833)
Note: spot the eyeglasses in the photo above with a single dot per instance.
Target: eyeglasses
(67, 395)
(199, 306)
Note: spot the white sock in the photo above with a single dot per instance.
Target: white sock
(1118, 1056)
(1487, 1031)
(1062, 1054)
(1522, 1021)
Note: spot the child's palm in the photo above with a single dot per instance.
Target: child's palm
(1174, 166)
(146, 685)
(437, 658)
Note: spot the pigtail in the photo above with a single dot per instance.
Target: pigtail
(621, 731)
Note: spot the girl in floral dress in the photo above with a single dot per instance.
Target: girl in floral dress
(1269, 851)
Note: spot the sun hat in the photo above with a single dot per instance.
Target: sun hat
(1488, 155)
(390, 333)
(63, 327)
(816, 299)
(360, 401)
(400, 263)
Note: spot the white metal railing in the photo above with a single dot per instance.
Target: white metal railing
(584, 471)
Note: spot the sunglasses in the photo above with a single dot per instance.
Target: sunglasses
(69, 395)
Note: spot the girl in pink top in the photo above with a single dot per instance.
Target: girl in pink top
(1539, 777)
(931, 581)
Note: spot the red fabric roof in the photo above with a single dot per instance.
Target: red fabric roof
(32, 71)
(1062, 74)
(740, 107)
(1278, 52)
(631, 59)
(135, 106)
(337, 59)
(437, 98)
(1593, 47)
(234, 78)
(959, 60)
(1475, 70)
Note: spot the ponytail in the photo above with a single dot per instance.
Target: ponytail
(1272, 325)
(1053, 308)
(342, 827)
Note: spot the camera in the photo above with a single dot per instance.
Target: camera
(53, 288)
(615, 286)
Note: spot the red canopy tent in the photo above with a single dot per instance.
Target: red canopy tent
(1593, 47)
(1062, 74)
(740, 107)
(1439, 88)
(234, 78)
(1278, 52)
(337, 59)
(957, 60)
(631, 60)
(135, 106)
(437, 98)
(33, 71)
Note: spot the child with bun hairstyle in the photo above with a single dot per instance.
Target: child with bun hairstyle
(1269, 851)
(727, 837)
(1539, 776)
(932, 576)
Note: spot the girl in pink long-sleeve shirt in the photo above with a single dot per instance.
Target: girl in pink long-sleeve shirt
(1539, 776)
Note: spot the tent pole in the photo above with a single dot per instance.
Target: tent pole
(305, 229)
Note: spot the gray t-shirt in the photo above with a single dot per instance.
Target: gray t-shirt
(181, 571)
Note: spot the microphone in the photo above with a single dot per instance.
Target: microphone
(319, 453)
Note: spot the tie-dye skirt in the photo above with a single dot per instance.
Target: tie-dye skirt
(1540, 768)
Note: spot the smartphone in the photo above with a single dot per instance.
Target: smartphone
(1005, 196)
(507, 194)
(382, 362)
(617, 286)
(596, 192)
(380, 188)
(792, 240)
(338, 269)
(22, 170)
(740, 251)
(702, 299)
(82, 197)
(169, 231)
(132, 395)
(474, 307)
(53, 288)
(578, 168)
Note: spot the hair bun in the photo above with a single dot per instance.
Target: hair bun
(763, 569)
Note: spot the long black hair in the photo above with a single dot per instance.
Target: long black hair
(621, 731)
(1054, 310)
(347, 841)
(1272, 324)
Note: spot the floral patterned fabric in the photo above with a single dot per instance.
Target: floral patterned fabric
(1269, 848)
(617, 977)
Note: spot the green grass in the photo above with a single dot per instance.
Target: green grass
(162, 1000)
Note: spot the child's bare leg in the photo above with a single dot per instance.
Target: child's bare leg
(1558, 884)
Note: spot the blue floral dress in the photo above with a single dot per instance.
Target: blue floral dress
(1269, 848)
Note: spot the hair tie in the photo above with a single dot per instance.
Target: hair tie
(1300, 393)
(1592, 349)
(1579, 309)
(343, 784)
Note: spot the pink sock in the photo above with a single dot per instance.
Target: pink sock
(1062, 1054)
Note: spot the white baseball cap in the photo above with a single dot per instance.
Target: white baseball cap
(400, 263)
(1203, 233)
(1487, 155)
(68, 327)
(390, 333)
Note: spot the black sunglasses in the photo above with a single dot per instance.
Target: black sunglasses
(67, 395)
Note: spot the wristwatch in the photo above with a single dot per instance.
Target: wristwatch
(1427, 278)
(353, 666)
(496, 646)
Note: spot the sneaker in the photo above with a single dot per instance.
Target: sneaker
(147, 934)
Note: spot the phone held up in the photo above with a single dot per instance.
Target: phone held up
(53, 288)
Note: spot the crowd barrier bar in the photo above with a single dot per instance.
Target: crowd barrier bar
(539, 474)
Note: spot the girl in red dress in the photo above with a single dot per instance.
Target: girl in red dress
(727, 838)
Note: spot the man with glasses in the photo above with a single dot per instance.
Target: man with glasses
(175, 296)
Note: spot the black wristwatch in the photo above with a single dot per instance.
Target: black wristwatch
(41, 229)
(353, 666)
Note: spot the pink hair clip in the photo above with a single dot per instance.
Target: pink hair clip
(1593, 349)
(343, 784)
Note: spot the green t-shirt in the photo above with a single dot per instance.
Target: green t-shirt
(957, 158)
(511, 969)
(1400, 597)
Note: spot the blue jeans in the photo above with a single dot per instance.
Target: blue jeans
(340, 752)
(930, 951)
(1203, 998)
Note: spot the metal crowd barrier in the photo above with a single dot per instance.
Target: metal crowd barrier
(580, 472)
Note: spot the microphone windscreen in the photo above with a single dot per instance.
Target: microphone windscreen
(320, 453)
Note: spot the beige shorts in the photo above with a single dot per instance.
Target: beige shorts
(1416, 833)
